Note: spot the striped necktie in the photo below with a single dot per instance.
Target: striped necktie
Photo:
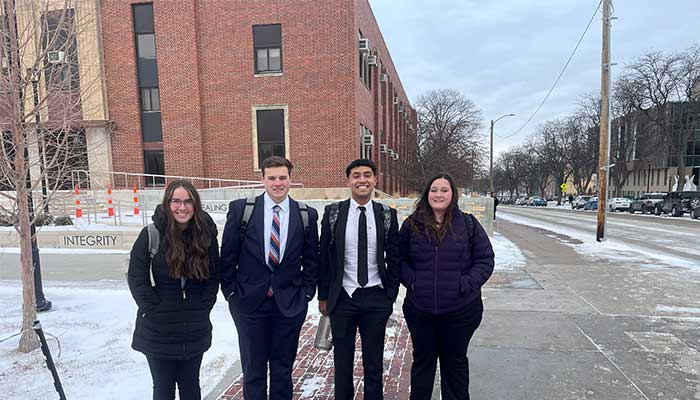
(273, 257)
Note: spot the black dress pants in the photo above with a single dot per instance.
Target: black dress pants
(267, 338)
(368, 309)
(446, 337)
(167, 373)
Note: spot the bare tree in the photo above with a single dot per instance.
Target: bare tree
(41, 114)
(510, 172)
(449, 136)
(583, 151)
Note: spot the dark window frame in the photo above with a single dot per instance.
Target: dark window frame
(148, 96)
(263, 144)
(267, 48)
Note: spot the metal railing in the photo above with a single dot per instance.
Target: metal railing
(126, 180)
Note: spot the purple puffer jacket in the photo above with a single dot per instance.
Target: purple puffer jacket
(445, 277)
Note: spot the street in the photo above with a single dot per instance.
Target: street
(663, 236)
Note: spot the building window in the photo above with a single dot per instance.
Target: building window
(365, 68)
(366, 142)
(60, 44)
(267, 42)
(271, 133)
(154, 165)
(150, 102)
(146, 45)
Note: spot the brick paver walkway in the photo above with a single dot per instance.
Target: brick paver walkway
(313, 369)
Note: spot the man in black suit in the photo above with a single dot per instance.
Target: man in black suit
(269, 273)
(359, 279)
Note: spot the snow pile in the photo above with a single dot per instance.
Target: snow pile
(508, 255)
(94, 323)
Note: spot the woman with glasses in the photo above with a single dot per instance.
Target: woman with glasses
(446, 258)
(175, 290)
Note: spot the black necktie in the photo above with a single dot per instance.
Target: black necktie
(362, 274)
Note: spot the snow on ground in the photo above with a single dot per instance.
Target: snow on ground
(611, 249)
(94, 323)
(508, 255)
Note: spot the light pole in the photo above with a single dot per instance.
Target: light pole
(491, 152)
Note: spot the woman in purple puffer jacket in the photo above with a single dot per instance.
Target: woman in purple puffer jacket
(446, 258)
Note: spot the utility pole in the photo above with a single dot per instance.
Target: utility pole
(491, 152)
(604, 150)
(491, 161)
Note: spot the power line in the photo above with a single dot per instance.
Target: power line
(560, 74)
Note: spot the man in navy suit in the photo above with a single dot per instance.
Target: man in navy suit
(268, 274)
(359, 279)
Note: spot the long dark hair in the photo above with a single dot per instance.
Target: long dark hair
(424, 212)
(187, 258)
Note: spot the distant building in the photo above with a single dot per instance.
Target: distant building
(651, 156)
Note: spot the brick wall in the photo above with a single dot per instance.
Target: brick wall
(208, 86)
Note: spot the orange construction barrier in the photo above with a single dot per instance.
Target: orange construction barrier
(110, 207)
(78, 209)
(136, 201)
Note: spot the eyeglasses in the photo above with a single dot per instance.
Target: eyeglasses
(177, 202)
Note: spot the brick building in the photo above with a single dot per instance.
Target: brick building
(209, 88)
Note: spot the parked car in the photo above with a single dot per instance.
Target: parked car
(619, 204)
(579, 201)
(591, 204)
(537, 202)
(678, 203)
(646, 202)
(522, 201)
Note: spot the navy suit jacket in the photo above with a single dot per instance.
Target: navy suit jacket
(245, 276)
(333, 254)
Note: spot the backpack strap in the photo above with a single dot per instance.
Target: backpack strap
(333, 218)
(247, 212)
(386, 211)
(304, 210)
(471, 227)
(153, 243)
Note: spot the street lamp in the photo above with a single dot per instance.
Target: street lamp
(42, 304)
(491, 152)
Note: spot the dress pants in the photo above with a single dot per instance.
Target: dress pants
(368, 309)
(266, 337)
(167, 373)
(446, 337)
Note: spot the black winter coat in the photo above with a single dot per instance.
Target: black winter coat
(170, 325)
(447, 276)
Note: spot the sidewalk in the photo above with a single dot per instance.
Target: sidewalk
(562, 327)
(313, 369)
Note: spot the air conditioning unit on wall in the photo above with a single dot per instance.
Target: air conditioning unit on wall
(383, 78)
(367, 140)
(364, 45)
(396, 99)
(55, 57)
(395, 156)
(372, 60)
(383, 148)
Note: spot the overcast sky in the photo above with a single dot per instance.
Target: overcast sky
(506, 54)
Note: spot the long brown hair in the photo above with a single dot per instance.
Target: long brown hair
(424, 212)
(190, 258)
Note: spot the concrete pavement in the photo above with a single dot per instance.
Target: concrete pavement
(562, 327)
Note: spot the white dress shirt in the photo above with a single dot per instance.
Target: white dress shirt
(284, 224)
(351, 238)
